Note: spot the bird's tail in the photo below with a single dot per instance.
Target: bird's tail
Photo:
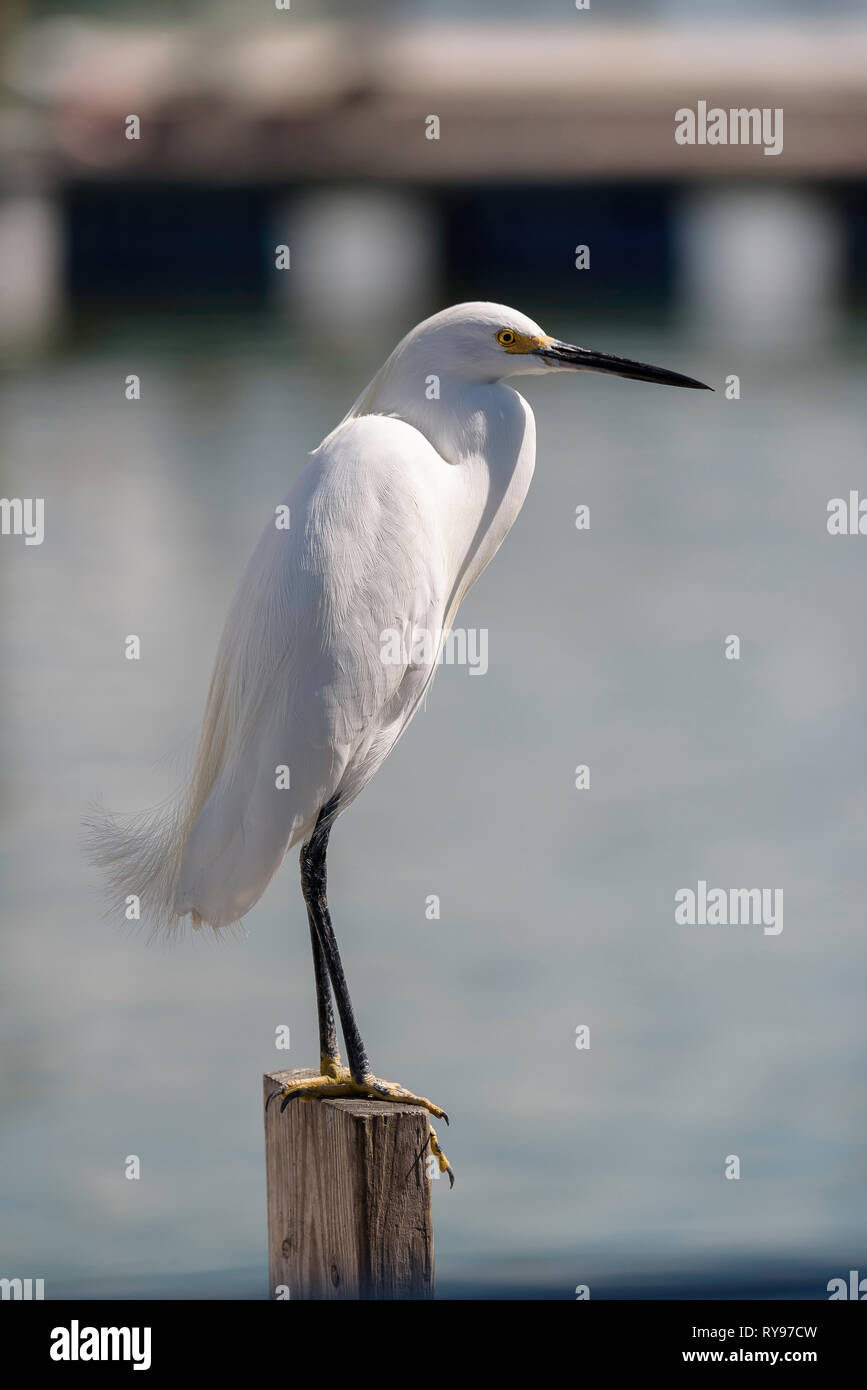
(141, 854)
(141, 857)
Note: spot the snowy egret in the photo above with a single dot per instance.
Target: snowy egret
(392, 520)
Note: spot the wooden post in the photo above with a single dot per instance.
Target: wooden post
(349, 1200)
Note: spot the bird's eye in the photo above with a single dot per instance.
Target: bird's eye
(505, 337)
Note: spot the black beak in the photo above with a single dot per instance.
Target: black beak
(586, 360)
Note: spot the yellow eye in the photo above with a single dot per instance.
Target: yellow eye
(505, 337)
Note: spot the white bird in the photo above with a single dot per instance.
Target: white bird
(392, 520)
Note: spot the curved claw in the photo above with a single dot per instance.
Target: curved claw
(442, 1161)
(278, 1092)
(293, 1095)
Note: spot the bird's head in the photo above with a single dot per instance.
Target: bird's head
(487, 342)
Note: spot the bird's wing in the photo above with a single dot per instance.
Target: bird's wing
(311, 674)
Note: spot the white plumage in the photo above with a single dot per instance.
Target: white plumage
(394, 517)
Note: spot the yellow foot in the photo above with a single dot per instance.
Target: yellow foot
(336, 1083)
(333, 1067)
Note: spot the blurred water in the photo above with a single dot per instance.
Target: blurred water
(606, 647)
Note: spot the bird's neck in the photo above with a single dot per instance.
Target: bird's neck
(454, 415)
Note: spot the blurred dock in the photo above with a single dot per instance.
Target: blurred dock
(318, 134)
(286, 100)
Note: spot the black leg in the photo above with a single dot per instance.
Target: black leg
(329, 1047)
(313, 885)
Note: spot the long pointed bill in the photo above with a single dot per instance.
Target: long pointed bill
(586, 360)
